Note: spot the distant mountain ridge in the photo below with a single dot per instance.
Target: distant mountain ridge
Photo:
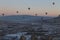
(54, 20)
(23, 18)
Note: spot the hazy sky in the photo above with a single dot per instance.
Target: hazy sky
(9, 7)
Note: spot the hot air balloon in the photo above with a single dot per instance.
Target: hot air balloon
(3, 14)
(17, 11)
(59, 15)
(53, 3)
(35, 14)
(46, 13)
(28, 8)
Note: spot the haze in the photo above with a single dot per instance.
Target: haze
(9, 7)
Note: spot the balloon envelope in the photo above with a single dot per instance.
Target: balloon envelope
(35, 14)
(53, 3)
(28, 8)
(46, 13)
(17, 12)
(3, 14)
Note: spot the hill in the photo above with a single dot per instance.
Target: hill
(23, 18)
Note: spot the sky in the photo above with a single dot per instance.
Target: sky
(39, 7)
